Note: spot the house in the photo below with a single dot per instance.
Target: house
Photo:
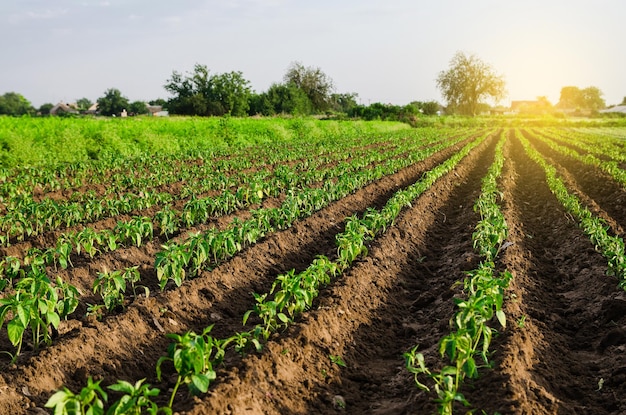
(618, 108)
(540, 106)
(63, 108)
(157, 111)
(523, 106)
(93, 109)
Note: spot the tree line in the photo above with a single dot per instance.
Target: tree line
(467, 86)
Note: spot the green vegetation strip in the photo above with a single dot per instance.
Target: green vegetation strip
(471, 335)
(131, 192)
(206, 250)
(195, 356)
(611, 247)
(195, 253)
(169, 221)
(610, 167)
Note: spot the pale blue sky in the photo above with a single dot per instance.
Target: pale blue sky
(386, 51)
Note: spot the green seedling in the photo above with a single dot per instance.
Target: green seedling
(90, 400)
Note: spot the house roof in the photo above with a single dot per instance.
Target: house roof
(63, 107)
(617, 108)
(517, 104)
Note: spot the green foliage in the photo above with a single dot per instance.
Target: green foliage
(193, 356)
(471, 334)
(282, 99)
(112, 103)
(111, 285)
(467, 83)
(199, 93)
(135, 400)
(386, 112)
(428, 107)
(137, 108)
(44, 109)
(83, 104)
(317, 86)
(90, 400)
(36, 304)
(611, 247)
(12, 103)
(54, 142)
(574, 98)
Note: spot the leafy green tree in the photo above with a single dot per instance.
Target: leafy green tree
(138, 108)
(200, 93)
(589, 98)
(428, 107)
(592, 98)
(289, 99)
(229, 94)
(83, 104)
(386, 112)
(112, 103)
(315, 84)
(344, 102)
(468, 83)
(571, 97)
(259, 104)
(158, 101)
(12, 103)
(44, 109)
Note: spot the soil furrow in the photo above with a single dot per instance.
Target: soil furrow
(398, 295)
(560, 357)
(600, 189)
(109, 349)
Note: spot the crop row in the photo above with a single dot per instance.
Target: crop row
(26, 217)
(214, 245)
(484, 287)
(596, 142)
(194, 357)
(610, 167)
(203, 250)
(108, 167)
(168, 221)
(611, 247)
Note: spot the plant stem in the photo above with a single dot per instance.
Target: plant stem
(174, 392)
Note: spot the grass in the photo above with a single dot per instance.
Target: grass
(50, 140)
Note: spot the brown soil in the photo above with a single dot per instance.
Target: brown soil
(566, 357)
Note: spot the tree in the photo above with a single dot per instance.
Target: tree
(15, 104)
(315, 84)
(158, 102)
(83, 104)
(259, 104)
(428, 107)
(138, 108)
(344, 102)
(229, 94)
(589, 98)
(592, 98)
(468, 83)
(289, 99)
(112, 103)
(570, 98)
(200, 93)
(45, 108)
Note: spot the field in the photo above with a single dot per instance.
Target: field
(324, 268)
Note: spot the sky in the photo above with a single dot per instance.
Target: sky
(387, 51)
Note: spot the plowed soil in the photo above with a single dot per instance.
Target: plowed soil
(561, 352)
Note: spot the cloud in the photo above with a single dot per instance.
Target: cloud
(37, 15)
